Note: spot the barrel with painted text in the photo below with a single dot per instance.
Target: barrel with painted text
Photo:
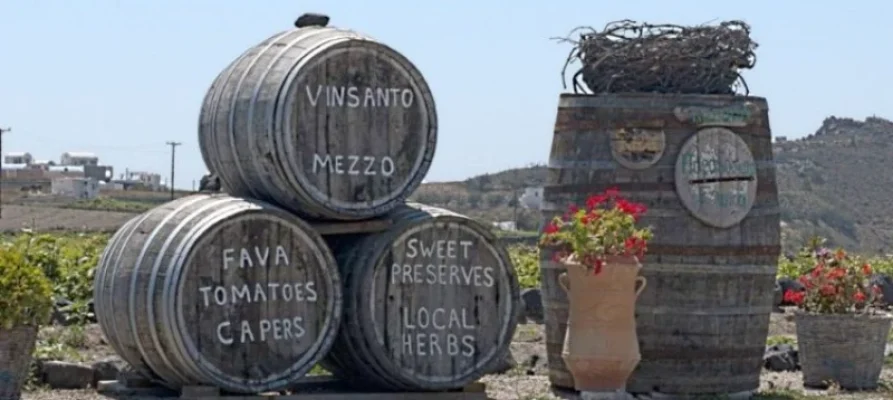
(326, 122)
(704, 167)
(220, 291)
(430, 304)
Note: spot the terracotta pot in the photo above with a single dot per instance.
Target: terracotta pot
(601, 348)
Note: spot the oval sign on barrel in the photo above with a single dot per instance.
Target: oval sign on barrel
(637, 148)
(442, 284)
(249, 288)
(716, 177)
(362, 118)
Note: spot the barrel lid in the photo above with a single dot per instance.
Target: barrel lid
(311, 19)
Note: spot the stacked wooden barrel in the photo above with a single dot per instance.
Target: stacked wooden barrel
(704, 167)
(315, 131)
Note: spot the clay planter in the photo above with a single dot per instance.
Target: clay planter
(601, 348)
(847, 349)
(16, 346)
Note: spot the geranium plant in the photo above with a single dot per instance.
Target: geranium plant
(838, 284)
(606, 226)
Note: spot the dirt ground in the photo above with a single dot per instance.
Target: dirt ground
(527, 381)
(16, 217)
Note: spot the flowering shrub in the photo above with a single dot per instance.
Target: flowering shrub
(605, 227)
(837, 284)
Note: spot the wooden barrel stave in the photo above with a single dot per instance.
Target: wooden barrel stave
(260, 135)
(707, 287)
(364, 355)
(147, 279)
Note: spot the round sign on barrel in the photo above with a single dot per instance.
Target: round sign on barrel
(326, 122)
(221, 291)
(431, 304)
(716, 177)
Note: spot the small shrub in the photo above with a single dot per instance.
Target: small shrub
(26, 292)
(527, 265)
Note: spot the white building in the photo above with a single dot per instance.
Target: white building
(18, 158)
(78, 158)
(152, 181)
(78, 188)
(532, 198)
(506, 225)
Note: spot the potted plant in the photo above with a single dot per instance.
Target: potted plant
(840, 334)
(25, 303)
(601, 246)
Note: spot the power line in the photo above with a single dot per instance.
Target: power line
(2, 131)
(173, 155)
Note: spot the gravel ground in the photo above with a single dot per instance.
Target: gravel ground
(528, 381)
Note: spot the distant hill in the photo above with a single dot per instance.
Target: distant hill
(837, 183)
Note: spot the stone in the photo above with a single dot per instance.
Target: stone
(533, 304)
(65, 375)
(885, 283)
(107, 369)
(781, 357)
(504, 365)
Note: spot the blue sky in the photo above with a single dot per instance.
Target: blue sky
(120, 78)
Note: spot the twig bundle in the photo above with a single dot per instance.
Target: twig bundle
(638, 57)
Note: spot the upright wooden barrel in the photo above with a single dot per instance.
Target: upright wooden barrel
(221, 291)
(431, 303)
(703, 165)
(326, 122)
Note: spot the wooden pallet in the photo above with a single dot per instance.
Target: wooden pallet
(309, 388)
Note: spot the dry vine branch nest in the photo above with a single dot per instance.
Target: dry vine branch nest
(638, 57)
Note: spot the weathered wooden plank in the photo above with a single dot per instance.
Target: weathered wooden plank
(352, 227)
(325, 122)
(219, 290)
(431, 303)
(703, 319)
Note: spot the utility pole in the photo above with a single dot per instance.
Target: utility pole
(2, 131)
(173, 155)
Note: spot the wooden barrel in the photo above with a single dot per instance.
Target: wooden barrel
(326, 122)
(703, 165)
(430, 304)
(220, 291)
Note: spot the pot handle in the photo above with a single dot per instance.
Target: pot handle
(563, 281)
(641, 282)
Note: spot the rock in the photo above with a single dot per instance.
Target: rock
(65, 375)
(885, 283)
(781, 357)
(504, 365)
(785, 284)
(530, 357)
(107, 369)
(533, 304)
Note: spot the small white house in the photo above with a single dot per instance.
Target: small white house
(152, 181)
(78, 188)
(506, 225)
(532, 198)
(18, 157)
(78, 158)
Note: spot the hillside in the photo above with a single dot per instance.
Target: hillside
(835, 183)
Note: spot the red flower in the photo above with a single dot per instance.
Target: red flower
(551, 228)
(594, 201)
(794, 297)
(828, 290)
(859, 297)
(804, 280)
(866, 269)
(839, 254)
(612, 192)
(836, 273)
